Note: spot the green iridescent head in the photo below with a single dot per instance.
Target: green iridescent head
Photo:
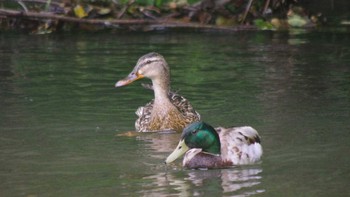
(197, 135)
(202, 135)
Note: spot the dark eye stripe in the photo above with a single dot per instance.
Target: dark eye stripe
(149, 61)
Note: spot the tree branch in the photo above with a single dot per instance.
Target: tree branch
(145, 25)
(48, 15)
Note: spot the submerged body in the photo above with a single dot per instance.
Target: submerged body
(168, 110)
(206, 147)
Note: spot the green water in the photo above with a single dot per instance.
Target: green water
(60, 114)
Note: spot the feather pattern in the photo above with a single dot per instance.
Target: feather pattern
(239, 145)
(168, 110)
(206, 147)
(181, 103)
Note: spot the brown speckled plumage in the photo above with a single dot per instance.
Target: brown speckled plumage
(175, 119)
(168, 110)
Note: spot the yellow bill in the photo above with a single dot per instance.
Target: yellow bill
(181, 149)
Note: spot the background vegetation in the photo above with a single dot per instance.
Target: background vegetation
(46, 16)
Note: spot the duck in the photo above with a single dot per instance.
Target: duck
(168, 111)
(206, 147)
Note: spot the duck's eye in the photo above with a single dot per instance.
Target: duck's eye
(148, 61)
(195, 131)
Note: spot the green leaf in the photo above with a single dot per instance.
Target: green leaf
(263, 25)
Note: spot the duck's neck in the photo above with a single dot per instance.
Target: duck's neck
(215, 146)
(161, 89)
(214, 149)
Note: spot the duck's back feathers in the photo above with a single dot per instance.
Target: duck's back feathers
(240, 145)
(180, 102)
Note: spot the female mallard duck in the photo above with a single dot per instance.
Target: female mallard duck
(207, 147)
(168, 110)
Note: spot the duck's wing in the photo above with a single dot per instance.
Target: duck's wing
(144, 113)
(144, 117)
(185, 107)
(181, 103)
(240, 145)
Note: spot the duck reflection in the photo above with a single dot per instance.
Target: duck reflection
(237, 181)
(164, 142)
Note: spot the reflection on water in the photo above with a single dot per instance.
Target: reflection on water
(238, 181)
(60, 114)
(160, 142)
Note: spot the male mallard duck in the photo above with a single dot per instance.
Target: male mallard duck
(168, 110)
(207, 147)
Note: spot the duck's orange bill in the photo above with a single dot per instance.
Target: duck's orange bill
(129, 79)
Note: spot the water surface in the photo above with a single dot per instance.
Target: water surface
(60, 114)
